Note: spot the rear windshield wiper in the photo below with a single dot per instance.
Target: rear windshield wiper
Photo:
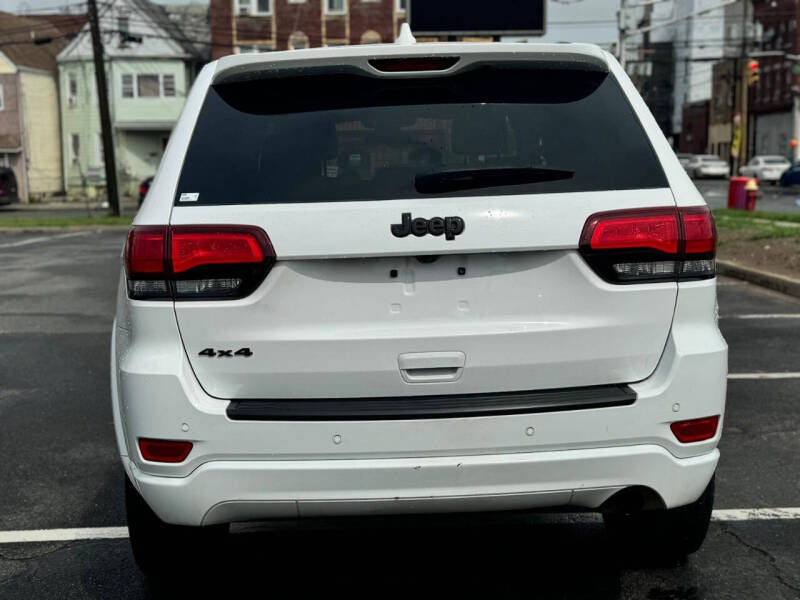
(453, 181)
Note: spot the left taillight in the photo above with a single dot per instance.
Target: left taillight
(651, 244)
(200, 262)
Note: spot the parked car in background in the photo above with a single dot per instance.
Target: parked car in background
(143, 189)
(684, 158)
(8, 186)
(791, 176)
(707, 165)
(766, 168)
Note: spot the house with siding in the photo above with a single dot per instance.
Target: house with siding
(29, 112)
(150, 65)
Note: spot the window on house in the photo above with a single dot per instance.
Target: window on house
(74, 148)
(401, 5)
(2, 99)
(72, 88)
(4, 160)
(263, 7)
(147, 86)
(243, 7)
(168, 82)
(127, 85)
(335, 7)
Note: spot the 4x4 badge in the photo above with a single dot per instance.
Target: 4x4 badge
(449, 226)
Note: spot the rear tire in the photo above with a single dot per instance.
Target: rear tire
(161, 549)
(665, 536)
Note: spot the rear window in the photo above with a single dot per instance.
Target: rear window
(776, 161)
(487, 131)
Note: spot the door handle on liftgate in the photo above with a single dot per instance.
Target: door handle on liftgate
(431, 367)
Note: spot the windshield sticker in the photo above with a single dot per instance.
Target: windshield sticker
(189, 197)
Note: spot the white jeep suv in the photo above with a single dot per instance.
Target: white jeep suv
(412, 279)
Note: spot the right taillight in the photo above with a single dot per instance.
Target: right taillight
(200, 262)
(650, 244)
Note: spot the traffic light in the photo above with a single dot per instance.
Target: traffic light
(752, 72)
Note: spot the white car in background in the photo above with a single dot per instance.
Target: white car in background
(409, 294)
(707, 165)
(684, 158)
(766, 168)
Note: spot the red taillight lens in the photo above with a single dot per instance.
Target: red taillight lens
(699, 230)
(695, 430)
(196, 261)
(195, 248)
(655, 230)
(652, 244)
(421, 63)
(165, 451)
(145, 251)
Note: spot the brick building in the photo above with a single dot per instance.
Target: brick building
(262, 25)
(772, 104)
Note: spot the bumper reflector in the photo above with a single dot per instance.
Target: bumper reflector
(695, 430)
(165, 451)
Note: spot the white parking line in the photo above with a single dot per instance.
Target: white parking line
(783, 375)
(46, 238)
(755, 514)
(62, 535)
(764, 316)
(115, 533)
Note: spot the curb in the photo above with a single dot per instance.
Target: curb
(772, 281)
(56, 229)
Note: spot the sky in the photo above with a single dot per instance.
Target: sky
(571, 21)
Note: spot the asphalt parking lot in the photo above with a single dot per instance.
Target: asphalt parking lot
(59, 470)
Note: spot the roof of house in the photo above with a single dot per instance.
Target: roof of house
(34, 41)
(160, 17)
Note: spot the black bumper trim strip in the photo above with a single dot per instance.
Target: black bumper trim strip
(431, 407)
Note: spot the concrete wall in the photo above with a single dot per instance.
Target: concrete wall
(42, 131)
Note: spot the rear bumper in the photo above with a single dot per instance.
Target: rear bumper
(247, 469)
(228, 491)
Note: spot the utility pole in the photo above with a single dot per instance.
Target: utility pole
(739, 103)
(622, 29)
(105, 114)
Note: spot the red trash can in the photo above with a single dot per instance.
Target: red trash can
(737, 195)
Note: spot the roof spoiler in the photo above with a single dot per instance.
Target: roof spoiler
(356, 59)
